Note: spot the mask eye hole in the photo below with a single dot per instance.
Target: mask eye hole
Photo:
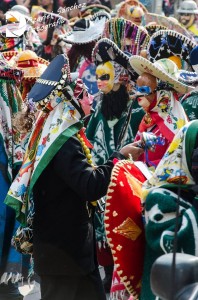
(103, 77)
(143, 89)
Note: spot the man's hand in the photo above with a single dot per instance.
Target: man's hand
(133, 150)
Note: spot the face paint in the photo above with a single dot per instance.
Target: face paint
(105, 74)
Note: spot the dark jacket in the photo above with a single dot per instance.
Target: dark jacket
(63, 227)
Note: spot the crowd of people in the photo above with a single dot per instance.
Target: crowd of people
(98, 140)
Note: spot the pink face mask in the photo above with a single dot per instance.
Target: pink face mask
(86, 102)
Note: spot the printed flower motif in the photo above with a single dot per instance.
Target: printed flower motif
(180, 123)
(18, 155)
(54, 130)
(169, 120)
(21, 190)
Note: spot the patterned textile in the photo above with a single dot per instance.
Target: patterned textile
(160, 212)
(173, 171)
(190, 105)
(104, 135)
(10, 101)
(53, 127)
(167, 113)
(10, 157)
(124, 227)
(175, 164)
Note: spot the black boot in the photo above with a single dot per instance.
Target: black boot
(108, 278)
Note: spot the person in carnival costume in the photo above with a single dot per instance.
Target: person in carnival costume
(31, 65)
(56, 185)
(187, 15)
(190, 100)
(11, 156)
(113, 78)
(157, 92)
(163, 119)
(53, 25)
(132, 10)
(83, 37)
(175, 179)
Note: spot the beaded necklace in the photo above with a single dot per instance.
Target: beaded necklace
(84, 142)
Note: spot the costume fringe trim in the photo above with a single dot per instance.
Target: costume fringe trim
(12, 277)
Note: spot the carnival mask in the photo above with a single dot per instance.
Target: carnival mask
(105, 75)
(187, 19)
(136, 14)
(146, 90)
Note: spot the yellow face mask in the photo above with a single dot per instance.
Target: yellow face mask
(105, 75)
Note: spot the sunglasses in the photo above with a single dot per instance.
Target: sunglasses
(143, 89)
(103, 77)
(185, 14)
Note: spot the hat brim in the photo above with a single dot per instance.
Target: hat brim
(142, 65)
(106, 50)
(28, 72)
(166, 43)
(53, 72)
(167, 22)
(93, 33)
(179, 11)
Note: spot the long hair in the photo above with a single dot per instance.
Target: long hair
(78, 51)
(114, 103)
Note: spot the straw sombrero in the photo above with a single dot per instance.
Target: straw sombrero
(87, 30)
(164, 69)
(166, 43)
(9, 73)
(27, 61)
(170, 23)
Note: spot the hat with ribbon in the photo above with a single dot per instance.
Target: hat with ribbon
(8, 72)
(27, 61)
(167, 43)
(168, 22)
(105, 50)
(164, 69)
(124, 224)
